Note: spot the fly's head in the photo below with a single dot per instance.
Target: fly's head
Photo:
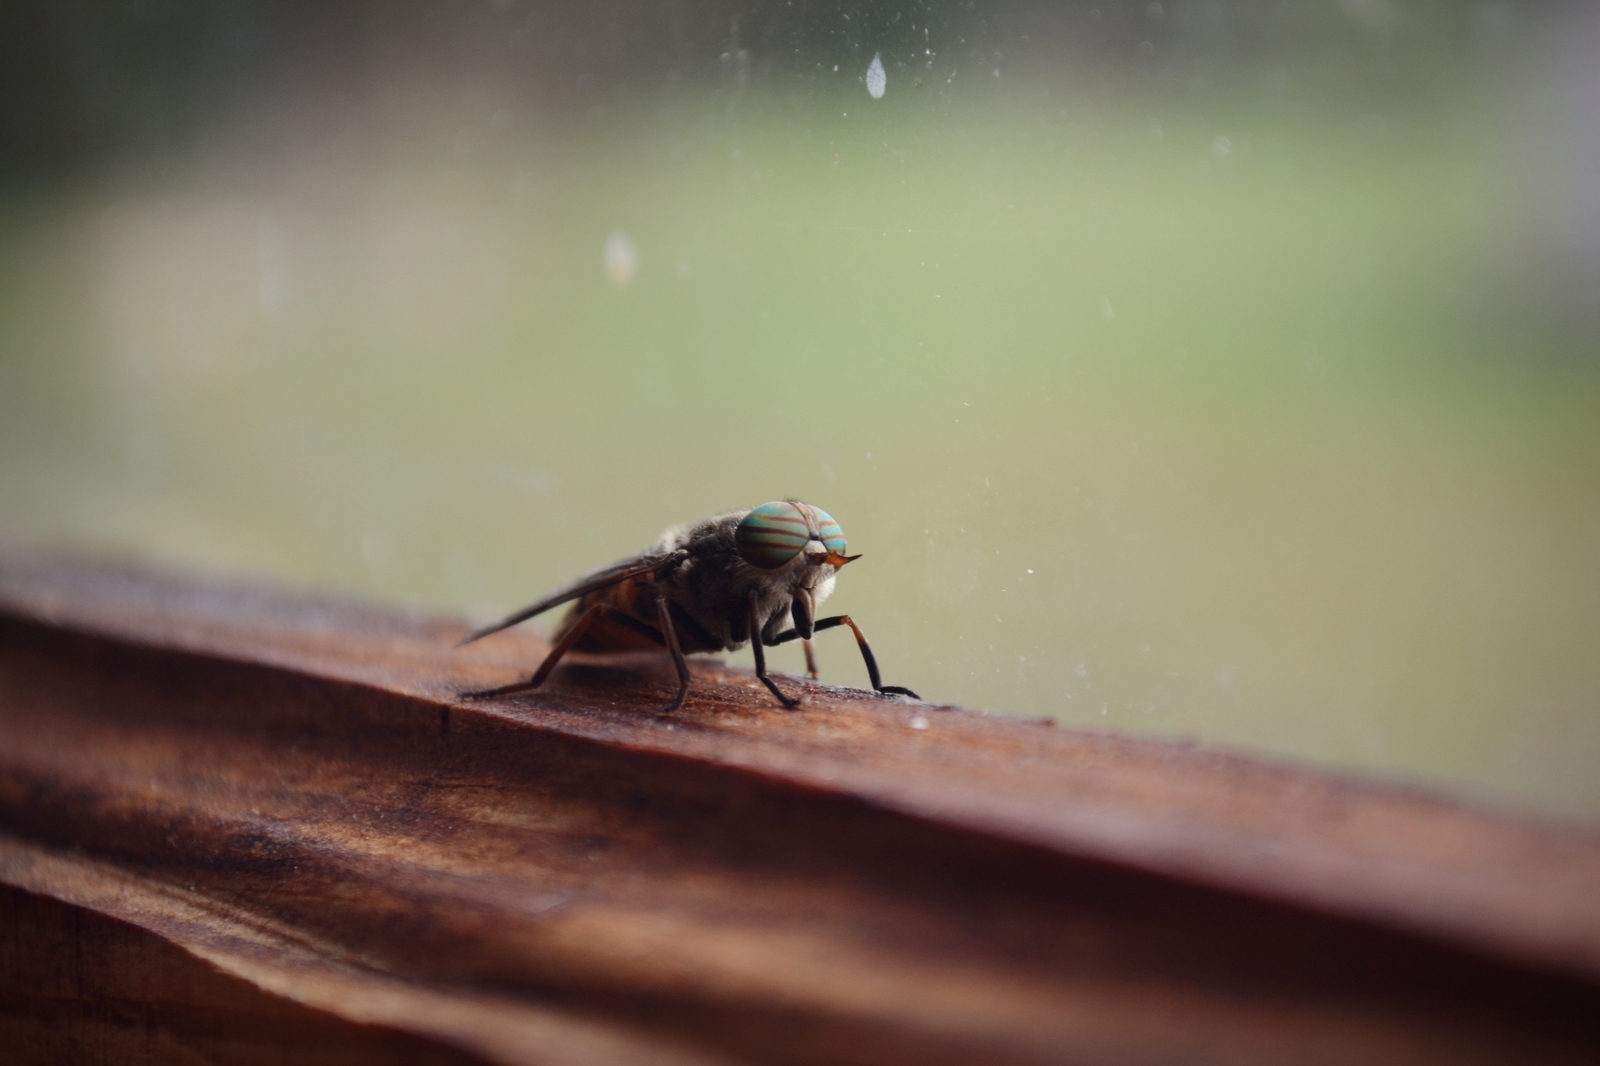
(795, 544)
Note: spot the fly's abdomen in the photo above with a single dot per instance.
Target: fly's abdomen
(608, 633)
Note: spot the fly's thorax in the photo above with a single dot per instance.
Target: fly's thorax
(717, 574)
(711, 584)
(676, 538)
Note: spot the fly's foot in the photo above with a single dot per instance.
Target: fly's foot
(896, 690)
(789, 702)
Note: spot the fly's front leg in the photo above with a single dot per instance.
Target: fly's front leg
(866, 654)
(861, 642)
(761, 656)
(664, 616)
(803, 609)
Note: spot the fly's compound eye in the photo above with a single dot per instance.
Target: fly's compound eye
(774, 533)
(828, 531)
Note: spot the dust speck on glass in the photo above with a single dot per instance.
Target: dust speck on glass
(1222, 370)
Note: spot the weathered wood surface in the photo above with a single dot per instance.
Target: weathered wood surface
(246, 827)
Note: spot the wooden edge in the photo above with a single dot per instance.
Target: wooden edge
(1331, 841)
(294, 791)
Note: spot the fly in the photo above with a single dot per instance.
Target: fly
(708, 587)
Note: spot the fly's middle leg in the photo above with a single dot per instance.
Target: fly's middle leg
(670, 635)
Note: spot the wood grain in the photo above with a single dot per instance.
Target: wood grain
(275, 809)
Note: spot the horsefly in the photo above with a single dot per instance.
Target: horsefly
(708, 587)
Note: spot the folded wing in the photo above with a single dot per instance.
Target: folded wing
(599, 579)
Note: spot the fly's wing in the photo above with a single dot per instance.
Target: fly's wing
(605, 578)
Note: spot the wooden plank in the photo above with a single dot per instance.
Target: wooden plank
(289, 791)
(77, 986)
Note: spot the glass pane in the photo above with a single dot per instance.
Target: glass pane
(1220, 369)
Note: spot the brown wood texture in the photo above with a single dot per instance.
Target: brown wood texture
(241, 826)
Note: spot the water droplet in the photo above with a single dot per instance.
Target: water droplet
(877, 78)
(621, 257)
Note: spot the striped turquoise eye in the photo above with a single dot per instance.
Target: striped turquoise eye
(772, 534)
(832, 536)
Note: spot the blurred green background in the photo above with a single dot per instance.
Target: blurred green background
(1212, 369)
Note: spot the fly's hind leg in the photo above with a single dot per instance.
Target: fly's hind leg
(761, 657)
(811, 659)
(667, 638)
(564, 645)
